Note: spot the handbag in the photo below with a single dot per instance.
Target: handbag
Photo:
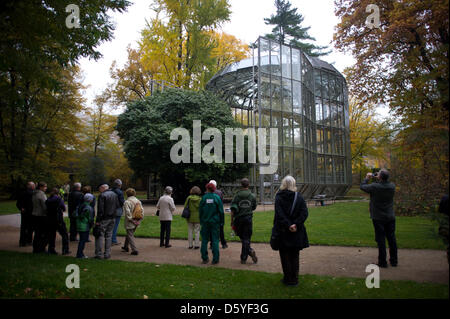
(186, 212)
(157, 212)
(275, 237)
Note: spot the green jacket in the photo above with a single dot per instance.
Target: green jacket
(84, 218)
(194, 206)
(243, 203)
(211, 209)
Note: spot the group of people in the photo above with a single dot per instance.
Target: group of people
(44, 216)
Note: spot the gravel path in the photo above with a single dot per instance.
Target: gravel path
(414, 264)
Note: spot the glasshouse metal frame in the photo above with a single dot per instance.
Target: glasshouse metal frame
(306, 99)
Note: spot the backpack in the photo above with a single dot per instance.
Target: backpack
(138, 212)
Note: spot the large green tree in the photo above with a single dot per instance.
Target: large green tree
(288, 29)
(145, 128)
(36, 51)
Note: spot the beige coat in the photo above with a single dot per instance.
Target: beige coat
(128, 208)
(166, 207)
(39, 207)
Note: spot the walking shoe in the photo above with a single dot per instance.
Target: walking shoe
(253, 255)
(214, 262)
(205, 261)
(190, 247)
(196, 247)
(52, 252)
(83, 257)
(224, 246)
(66, 252)
(168, 246)
(135, 253)
(98, 257)
(382, 265)
(393, 264)
(125, 249)
(115, 244)
(161, 245)
(243, 261)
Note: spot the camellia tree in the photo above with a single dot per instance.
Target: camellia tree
(146, 126)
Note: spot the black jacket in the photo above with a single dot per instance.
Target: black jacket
(25, 202)
(108, 202)
(55, 208)
(75, 199)
(282, 220)
(381, 199)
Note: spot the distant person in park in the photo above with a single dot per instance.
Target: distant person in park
(88, 190)
(291, 213)
(166, 208)
(117, 189)
(39, 213)
(134, 214)
(222, 234)
(84, 221)
(62, 192)
(382, 214)
(193, 222)
(75, 199)
(66, 191)
(108, 202)
(55, 222)
(242, 207)
(211, 218)
(25, 205)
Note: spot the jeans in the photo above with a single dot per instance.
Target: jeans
(210, 230)
(290, 262)
(84, 236)
(385, 230)
(165, 232)
(106, 229)
(116, 226)
(244, 227)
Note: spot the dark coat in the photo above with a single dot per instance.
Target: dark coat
(75, 199)
(381, 199)
(282, 220)
(108, 202)
(25, 202)
(119, 194)
(55, 208)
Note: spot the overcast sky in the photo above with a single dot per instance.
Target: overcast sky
(246, 23)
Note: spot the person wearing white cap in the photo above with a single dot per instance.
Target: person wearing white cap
(222, 234)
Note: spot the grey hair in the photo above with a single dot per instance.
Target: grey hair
(77, 185)
(288, 183)
(105, 186)
(168, 190)
(117, 183)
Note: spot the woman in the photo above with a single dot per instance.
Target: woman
(194, 220)
(55, 208)
(88, 190)
(289, 225)
(211, 218)
(84, 222)
(131, 223)
(166, 208)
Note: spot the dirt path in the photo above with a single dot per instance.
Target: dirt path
(414, 264)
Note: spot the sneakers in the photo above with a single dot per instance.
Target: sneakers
(205, 261)
(66, 252)
(168, 246)
(214, 262)
(382, 265)
(190, 247)
(224, 246)
(243, 261)
(196, 247)
(125, 249)
(135, 253)
(253, 256)
(115, 244)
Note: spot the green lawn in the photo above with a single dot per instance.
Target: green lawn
(42, 276)
(341, 224)
(8, 207)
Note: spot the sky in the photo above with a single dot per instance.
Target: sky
(246, 23)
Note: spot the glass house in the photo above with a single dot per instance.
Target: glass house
(303, 97)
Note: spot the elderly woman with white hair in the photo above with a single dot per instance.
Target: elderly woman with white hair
(289, 229)
(166, 207)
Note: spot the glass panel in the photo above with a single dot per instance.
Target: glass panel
(319, 140)
(264, 51)
(298, 139)
(286, 61)
(317, 84)
(265, 91)
(287, 163)
(325, 90)
(326, 113)
(321, 169)
(329, 169)
(275, 58)
(276, 93)
(327, 140)
(333, 113)
(319, 115)
(287, 132)
(295, 64)
(287, 96)
(296, 96)
(298, 166)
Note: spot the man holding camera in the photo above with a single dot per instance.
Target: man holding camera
(382, 214)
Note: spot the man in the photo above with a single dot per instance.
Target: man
(75, 199)
(117, 189)
(40, 218)
(25, 206)
(108, 202)
(382, 214)
(222, 235)
(55, 209)
(242, 207)
(211, 218)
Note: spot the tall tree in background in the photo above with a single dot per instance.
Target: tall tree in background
(288, 29)
(404, 64)
(36, 50)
